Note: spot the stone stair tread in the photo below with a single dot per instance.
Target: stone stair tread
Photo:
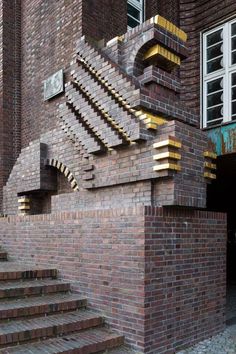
(16, 284)
(88, 341)
(52, 320)
(7, 304)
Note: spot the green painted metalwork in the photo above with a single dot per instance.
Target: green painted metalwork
(223, 139)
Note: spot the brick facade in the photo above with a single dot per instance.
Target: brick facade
(115, 166)
(124, 261)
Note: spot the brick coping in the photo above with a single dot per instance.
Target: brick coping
(119, 212)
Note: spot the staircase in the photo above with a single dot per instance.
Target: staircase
(39, 314)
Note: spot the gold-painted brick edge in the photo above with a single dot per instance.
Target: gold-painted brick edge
(159, 50)
(209, 175)
(168, 142)
(170, 27)
(167, 166)
(167, 154)
(210, 154)
(211, 166)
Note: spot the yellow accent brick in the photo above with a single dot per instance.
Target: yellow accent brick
(166, 155)
(209, 175)
(210, 154)
(167, 142)
(210, 165)
(170, 27)
(166, 166)
(23, 200)
(159, 50)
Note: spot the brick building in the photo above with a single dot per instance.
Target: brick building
(117, 149)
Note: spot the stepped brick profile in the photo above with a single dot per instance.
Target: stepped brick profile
(38, 312)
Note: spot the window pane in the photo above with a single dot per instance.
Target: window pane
(214, 51)
(233, 29)
(234, 57)
(233, 41)
(132, 11)
(215, 64)
(234, 79)
(234, 93)
(215, 85)
(215, 113)
(132, 23)
(215, 99)
(215, 37)
(233, 108)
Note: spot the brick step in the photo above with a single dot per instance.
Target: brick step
(15, 332)
(22, 288)
(14, 271)
(88, 341)
(3, 256)
(120, 350)
(36, 306)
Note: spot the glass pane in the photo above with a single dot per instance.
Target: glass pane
(214, 99)
(214, 122)
(234, 79)
(132, 11)
(215, 37)
(234, 57)
(214, 51)
(132, 23)
(233, 41)
(215, 64)
(233, 27)
(234, 93)
(233, 108)
(214, 113)
(215, 85)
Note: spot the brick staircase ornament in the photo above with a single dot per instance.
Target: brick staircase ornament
(39, 313)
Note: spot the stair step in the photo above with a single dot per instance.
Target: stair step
(120, 350)
(35, 306)
(15, 271)
(3, 256)
(88, 341)
(50, 326)
(31, 287)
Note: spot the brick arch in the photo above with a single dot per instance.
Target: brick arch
(65, 171)
(135, 64)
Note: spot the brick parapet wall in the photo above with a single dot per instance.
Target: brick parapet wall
(157, 275)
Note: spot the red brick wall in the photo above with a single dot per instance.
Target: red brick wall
(166, 8)
(157, 275)
(9, 88)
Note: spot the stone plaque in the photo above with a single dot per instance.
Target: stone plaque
(53, 85)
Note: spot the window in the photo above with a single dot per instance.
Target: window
(135, 12)
(219, 75)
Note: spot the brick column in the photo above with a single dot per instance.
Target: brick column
(10, 88)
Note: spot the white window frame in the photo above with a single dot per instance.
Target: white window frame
(226, 73)
(140, 6)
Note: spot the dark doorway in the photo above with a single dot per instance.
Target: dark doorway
(221, 196)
